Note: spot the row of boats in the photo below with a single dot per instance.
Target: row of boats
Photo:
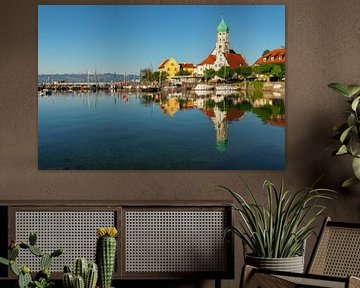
(221, 87)
(200, 87)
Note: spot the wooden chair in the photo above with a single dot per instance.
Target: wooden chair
(335, 262)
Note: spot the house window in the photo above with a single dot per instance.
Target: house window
(219, 46)
(272, 58)
(280, 57)
(264, 59)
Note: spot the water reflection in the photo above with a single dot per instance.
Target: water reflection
(224, 108)
(221, 109)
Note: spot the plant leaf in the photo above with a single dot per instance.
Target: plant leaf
(353, 89)
(351, 119)
(344, 134)
(349, 182)
(355, 103)
(340, 88)
(342, 150)
(356, 167)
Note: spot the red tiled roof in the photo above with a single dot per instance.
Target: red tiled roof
(274, 53)
(187, 65)
(234, 115)
(235, 60)
(209, 60)
(231, 115)
(162, 64)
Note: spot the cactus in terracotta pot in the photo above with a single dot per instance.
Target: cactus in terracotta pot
(106, 254)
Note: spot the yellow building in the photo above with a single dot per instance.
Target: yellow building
(170, 66)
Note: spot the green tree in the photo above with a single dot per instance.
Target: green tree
(264, 69)
(244, 71)
(209, 74)
(277, 71)
(225, 72)
(183, 72)
(156, 75)
(265, 52)
(146, 75)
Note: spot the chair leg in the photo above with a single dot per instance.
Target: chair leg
(354, 282)
(217, 283)
(246, 273)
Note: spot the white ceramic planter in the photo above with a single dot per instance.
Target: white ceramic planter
(291, 264)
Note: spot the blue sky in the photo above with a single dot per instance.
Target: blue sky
(109, 38)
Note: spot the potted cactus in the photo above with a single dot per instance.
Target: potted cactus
(84, 275)
(106, 254)
(42, 278)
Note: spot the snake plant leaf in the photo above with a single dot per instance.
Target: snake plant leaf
(355, 103)
(340, 88)
(349, 182)
(356, 167)
(342, 150)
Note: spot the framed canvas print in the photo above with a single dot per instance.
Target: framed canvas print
(161, 87)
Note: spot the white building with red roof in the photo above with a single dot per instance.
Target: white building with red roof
(272, 57)
(222, 55)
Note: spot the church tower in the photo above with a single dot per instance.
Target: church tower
(222, 43)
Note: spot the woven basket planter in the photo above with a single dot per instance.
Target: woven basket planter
(291, 264)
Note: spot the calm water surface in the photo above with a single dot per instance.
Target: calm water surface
(120, 131)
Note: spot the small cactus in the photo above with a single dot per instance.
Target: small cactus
(68, 280)
(91, 276)
(106, 254)
(45, 261)
(79, 282)
(24, 278)
(32, 239)
(14, 268)
(80, 268)
(36, 251)
(13, 253)
(84, 274)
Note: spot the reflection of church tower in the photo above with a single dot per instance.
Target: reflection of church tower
(221, 127)
(222, 43)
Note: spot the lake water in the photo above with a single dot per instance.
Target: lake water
(126, 131)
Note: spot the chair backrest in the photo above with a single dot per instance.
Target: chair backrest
(337, 251)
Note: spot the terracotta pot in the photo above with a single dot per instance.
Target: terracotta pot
(291, 264)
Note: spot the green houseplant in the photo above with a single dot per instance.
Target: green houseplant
(275, 233)
(349, 131)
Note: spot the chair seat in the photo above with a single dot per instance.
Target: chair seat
(269, 279)
(314, 282)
